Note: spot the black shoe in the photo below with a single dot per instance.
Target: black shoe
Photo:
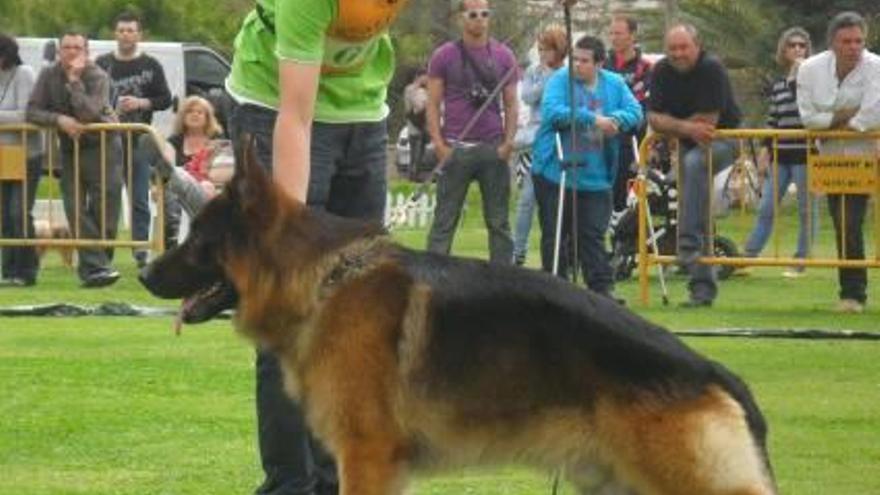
(696, 303)
(100, 278)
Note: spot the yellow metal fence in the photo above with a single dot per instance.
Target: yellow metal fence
(14, 168)
(831, 169)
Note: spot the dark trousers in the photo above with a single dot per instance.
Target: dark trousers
(480, 163)
(593, 212)
(18, 223)
(848, 213)
(91, 200)
(347, 178)
(136, 176)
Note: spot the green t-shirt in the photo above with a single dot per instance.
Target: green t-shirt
(348, 38)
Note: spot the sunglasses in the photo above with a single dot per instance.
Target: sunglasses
(477, 13)
(797, 44)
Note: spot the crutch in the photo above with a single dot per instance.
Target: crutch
(559, 207)
(651, 232)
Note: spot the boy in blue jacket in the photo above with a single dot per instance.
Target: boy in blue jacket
(604, 108)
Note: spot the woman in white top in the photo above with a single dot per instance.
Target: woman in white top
(19, 264)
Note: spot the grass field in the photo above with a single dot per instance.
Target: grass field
(120, 406)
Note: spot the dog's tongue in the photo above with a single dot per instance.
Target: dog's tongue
(178, 319)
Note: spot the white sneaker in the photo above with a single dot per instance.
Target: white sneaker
(794, 273)
(850, 306)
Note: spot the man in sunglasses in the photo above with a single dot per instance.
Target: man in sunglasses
(479, 122)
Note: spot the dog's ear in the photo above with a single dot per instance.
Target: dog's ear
(251, 185)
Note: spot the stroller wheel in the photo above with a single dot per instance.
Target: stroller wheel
(725, 248)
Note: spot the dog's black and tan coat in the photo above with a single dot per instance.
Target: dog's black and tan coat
(407, 361)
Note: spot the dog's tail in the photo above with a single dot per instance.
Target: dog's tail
(755, 420)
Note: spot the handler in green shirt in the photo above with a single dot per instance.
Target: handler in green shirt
(311, 77)
(313, 74)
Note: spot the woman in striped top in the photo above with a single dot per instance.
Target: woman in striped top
(793, 47)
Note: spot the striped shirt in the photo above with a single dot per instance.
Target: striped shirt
(783, 114)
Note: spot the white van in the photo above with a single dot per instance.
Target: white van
(190, 69)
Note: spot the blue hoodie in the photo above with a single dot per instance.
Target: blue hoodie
(596, 153)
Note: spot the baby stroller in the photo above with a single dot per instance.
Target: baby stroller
(662, 199)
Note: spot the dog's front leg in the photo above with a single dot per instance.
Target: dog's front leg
(371, 467)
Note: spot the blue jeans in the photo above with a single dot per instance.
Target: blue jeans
(525, 211)
(20, 262)
(593, 214)
(695, 215)
(480, 163)
(347, 178)
(807, 221)
(139, 191)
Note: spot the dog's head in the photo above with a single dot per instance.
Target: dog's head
(198, 270)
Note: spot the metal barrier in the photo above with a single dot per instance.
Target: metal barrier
(826, 173)
(14, 167)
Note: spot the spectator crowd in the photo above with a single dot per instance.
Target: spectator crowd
(571, 146)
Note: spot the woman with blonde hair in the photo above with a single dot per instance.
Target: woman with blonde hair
(186, 162)
(552, 50)
(792, 48)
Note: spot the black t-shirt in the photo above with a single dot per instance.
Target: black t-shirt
(142, 77)
(704, 89)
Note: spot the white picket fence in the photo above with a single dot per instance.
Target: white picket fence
(418, 215)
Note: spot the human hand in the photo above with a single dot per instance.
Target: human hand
(70, 126)
(607, 125)
(128, 104)
(841, 118)
(700, 131)
(73, 71)
(504, 151)
(444, 151)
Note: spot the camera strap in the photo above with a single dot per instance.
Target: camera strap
(488, 81)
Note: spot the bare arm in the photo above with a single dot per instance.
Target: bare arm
(511, 120)
(292, 137)
(700, 126)
(436, 87)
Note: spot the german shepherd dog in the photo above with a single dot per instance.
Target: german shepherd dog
(408, 361)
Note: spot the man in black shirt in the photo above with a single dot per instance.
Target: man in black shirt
(690, 97)
(138, 88)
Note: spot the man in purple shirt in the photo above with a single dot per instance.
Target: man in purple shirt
(462, 75)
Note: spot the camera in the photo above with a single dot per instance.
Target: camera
(478, 94)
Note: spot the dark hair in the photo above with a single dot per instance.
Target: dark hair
(75, 33)
(845, 20)
(8, 52)
(631, 23)
(593, 44)
(127, 16)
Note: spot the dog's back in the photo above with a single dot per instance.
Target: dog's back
(516, 365)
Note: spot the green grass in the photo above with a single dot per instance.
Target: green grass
(121, 406)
